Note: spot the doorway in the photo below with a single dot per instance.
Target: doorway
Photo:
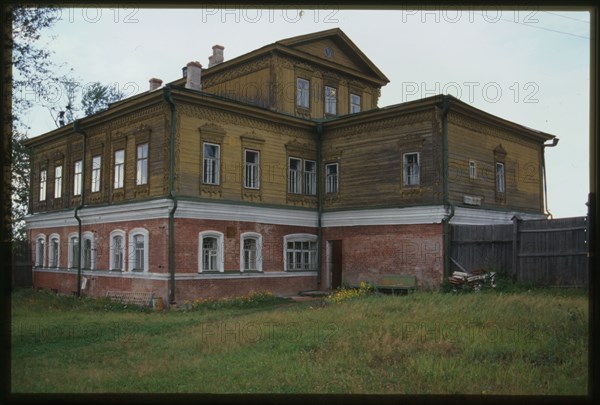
(334, 263)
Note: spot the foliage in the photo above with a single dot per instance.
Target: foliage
(345, 294)
(251, 300)
(98, 96)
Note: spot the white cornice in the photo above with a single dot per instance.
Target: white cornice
(386, 216)
(478, 216)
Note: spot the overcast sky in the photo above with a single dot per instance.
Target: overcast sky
(530, 67)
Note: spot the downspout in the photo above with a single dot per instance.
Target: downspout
(319, 204)
(79, 130)
(544, 146)
(172, 195)
(446, 193)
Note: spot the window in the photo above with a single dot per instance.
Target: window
(302, 92)
(310, 177)
(43, 178)
(54, 251)
(77, 178)
(119, 168)
(250, 252)
(300, 252)
(411, 169)
(354, 103)
(58, 182)
(211, 166)
(73, 251)
(142, 165)
(40, 250)
(89, 252)
(331, 178)
(500, 184)
(117, 250)
(251, 169)
(472, 169)
(295, 176)
(211, 251)
(330, 100)
(138, 250)
(96, 170)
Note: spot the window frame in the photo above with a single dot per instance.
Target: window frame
(330, 100)
(406, 177)
(312, 176)
(131, 250)
(72, 257)
(257, 165)
(88, 237)
(141, 173)
(295, 176)
(54, 256)
(58, 176)
(302, 93)
(96, 173)
(40, 247)
(300, 237)
(500, 178)
(217, 164)
(219, 254)
(353, 105)
(114, 234)
(472, 169)
(119, 170)
(336, 182)
(43, 184)
(257, 237)
(77, 177)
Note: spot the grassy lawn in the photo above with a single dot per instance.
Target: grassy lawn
(524, 342)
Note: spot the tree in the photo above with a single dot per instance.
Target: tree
(98, 96)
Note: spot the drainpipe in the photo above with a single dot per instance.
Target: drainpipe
(79, 130)
(319, 204)
(446, 194)
(172, 195)
(544, 146)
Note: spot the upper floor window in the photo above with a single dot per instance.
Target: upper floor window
(250, 254)
(295, 175)
(57, 181)
(472, 169)
(211, 166)
(119, 168)
(77, 178)
(96, 170)
(211, 251)
(500, 178)
(302, 92)
(411, 169)
(251, 169)
(142, 164)
(330, 100)
(310, 177)
(354, 103)
(331, 178)
(43, 178)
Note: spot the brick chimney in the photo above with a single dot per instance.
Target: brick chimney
(155, 83)
(217, 56)
(193, 76)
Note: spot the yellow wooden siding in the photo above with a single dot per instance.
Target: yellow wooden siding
(317, 48)
(252, 88)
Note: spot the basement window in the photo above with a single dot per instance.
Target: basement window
(117, 250)
(300, 252)
(211, 251)
(138, 250)
(250, 252)
(54, 251)
(40, 250)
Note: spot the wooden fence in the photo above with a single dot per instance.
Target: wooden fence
(539, 252)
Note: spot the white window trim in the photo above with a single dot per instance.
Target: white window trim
(89, 236)
(330, 95)
(500, 190)
(258, 238)
(70, 248)
(121, 233)
(131, 248)
(217, 174)
(77, 185)
(299, 99)
(405, 175)
(298, 173)
(337, 178)
(220, 250)
(141, 174)
(353, 104)
(43, 184)
(40, 237)
(50, 238)
(472, 169)
(96, 174)
(257, 169)
(297, 237)
(58, 182)
(313, 182)
(118, 180)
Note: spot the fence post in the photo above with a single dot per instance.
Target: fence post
(515, 248)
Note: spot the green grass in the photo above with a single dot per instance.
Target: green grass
(525, 342)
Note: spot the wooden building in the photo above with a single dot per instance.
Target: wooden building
(273, 171)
